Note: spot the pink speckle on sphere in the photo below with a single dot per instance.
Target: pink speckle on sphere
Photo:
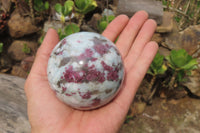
(85, 70)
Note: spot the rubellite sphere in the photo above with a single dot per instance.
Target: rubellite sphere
(85, 70)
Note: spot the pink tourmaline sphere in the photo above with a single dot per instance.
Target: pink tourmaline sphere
(85, 70)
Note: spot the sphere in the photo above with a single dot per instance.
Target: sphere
(85, 70)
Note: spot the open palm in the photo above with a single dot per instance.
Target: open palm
(49, 115)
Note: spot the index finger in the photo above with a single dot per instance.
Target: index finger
(115, 27)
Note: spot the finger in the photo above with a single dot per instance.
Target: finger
(135, 76)
(130, 32)
(49, 42)
(115, 27)
(143, 37)
(43, 53)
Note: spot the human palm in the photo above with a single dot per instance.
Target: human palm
(47, 114)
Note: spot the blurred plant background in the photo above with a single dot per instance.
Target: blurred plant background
(174, 73)
(187, 12)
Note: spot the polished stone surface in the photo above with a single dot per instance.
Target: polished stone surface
(86, 70)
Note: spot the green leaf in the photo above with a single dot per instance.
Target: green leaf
(190, 65)
(58, 7)
(157, 66)
(71, 28)
(103, 23)
(46, 5)
(81, 4)
(1, 47)
(102, 26)
(85, 6)
(62, 18)
(41, 39)
(158, 60)
(162, 70)
(39, 5)
(170, 64)
(150, 72)
(26, 49)
(91, 7)
(68, 7)
(61, 34)
(180, 75)
(111, 18)
(180, 59)
(108, 18)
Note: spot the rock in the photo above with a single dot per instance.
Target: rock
(5, 63)
(154, 8)
(108, 12)
(27, 63)
(198, 60)
(137, 108)
(157, 38)
(115, 2)
(167, 23)
(86, 27)
(190, 39)
(178, 93)
(13, 112)
(144, 91)
(6, 4)
(187, 39)
(20, 26)
(193, 83)
(94, 21)
(164, 51)
(17, 70)
(16, 49)
(52, 24)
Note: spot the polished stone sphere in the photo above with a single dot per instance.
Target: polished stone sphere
(85, 70)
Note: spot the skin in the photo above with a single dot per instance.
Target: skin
(49, 115)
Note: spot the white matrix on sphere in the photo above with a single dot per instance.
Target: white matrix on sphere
(85, 70)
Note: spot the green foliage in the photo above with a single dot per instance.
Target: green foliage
(26, 49)
(85, 6)
(177, 19)
(103, 23)
(179, 64)
(1, 47)
(157, 66)
(128, 118)
(186, 12)
(81, 7)
(69, 29)
(181, 60)
(64, 10)
(40, 6)
(41, 39)
(164, 2)
(198, 4)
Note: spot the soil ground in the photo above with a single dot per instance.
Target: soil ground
(167, 116)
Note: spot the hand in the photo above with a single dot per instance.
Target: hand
(49, 115)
